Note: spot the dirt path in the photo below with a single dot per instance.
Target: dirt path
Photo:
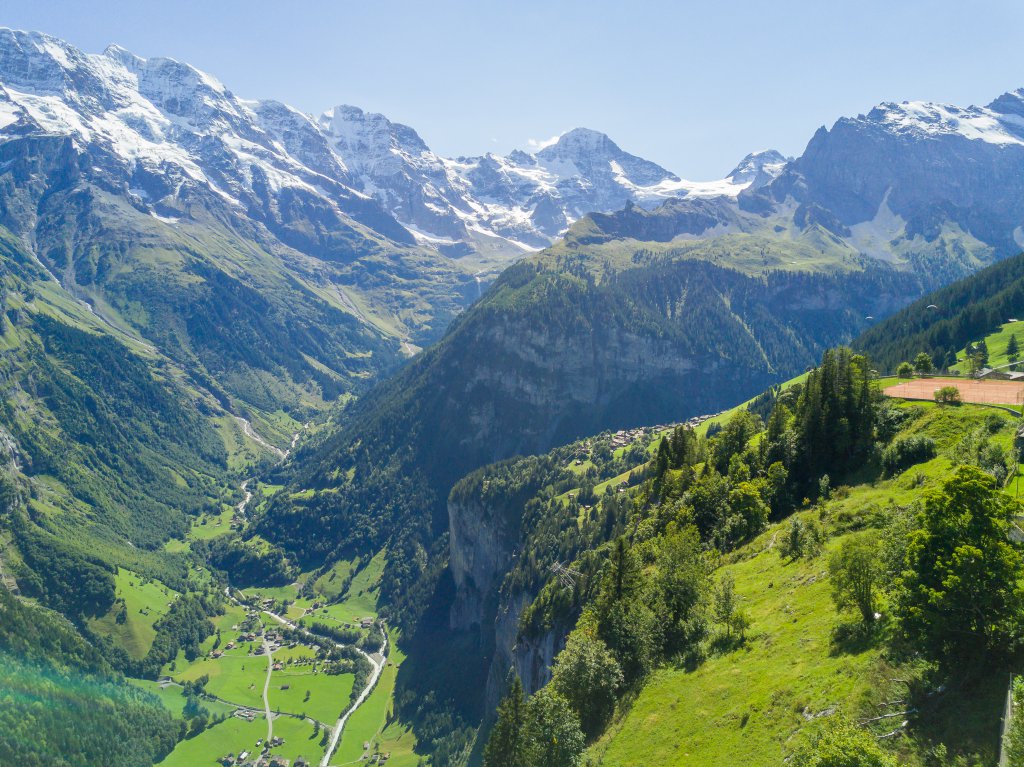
(978, 392)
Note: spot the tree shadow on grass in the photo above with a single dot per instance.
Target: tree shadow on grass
(855, 637)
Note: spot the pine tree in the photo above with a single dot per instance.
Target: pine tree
(1012, 349)
(507, 746)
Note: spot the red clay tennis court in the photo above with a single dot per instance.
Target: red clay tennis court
(981, 392)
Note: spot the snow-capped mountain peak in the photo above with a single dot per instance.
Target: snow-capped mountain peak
(590, 152)
(759, 168)
(998, 123)
(172, 128)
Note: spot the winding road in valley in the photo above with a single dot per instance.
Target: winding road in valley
(377, 660)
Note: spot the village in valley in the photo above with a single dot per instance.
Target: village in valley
(285, 667)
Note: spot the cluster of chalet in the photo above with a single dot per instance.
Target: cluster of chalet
(244, 760)
(375, 758)
(625, 437)
(274, 640)
(265, 759)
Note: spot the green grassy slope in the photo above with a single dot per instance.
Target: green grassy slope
(139, 605)
(747, 706)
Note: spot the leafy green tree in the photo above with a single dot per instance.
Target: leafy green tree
(733, 438)
(628, 627)
(842, 745)
(683, 586)
(854, 570)
(801, 539)
(905, 370)
(727, 608)
(923, 363)
(1012, 348)
(587, 675)
(507, 744)
(553, 734)
(775, 488)
(947, 395)
(960, 595)
(709, 497)
(748, 517)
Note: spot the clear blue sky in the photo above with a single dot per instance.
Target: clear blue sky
(691, 85)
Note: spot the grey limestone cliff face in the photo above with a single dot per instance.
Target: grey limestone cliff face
(560, 385)
(530, 657)
(482, 540)
(483, 543)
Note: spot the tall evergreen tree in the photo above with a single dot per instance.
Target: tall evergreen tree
(506, 746)
(835, 417)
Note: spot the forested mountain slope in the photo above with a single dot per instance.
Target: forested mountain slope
(59, 691)
(123, 448)
(943, 322)
(587, 336)
(109, 453)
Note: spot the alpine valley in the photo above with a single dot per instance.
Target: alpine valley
(317, 447)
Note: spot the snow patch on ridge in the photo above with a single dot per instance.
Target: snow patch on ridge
(973, 123)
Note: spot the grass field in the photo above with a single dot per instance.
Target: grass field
(359, 599)
(237, 679)
(173, 700)
(144, 604)
(996, 343)
(330, 583)
(396, 739)
(741, 708)
(328, 695)
(212, 525)
(235, 735)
